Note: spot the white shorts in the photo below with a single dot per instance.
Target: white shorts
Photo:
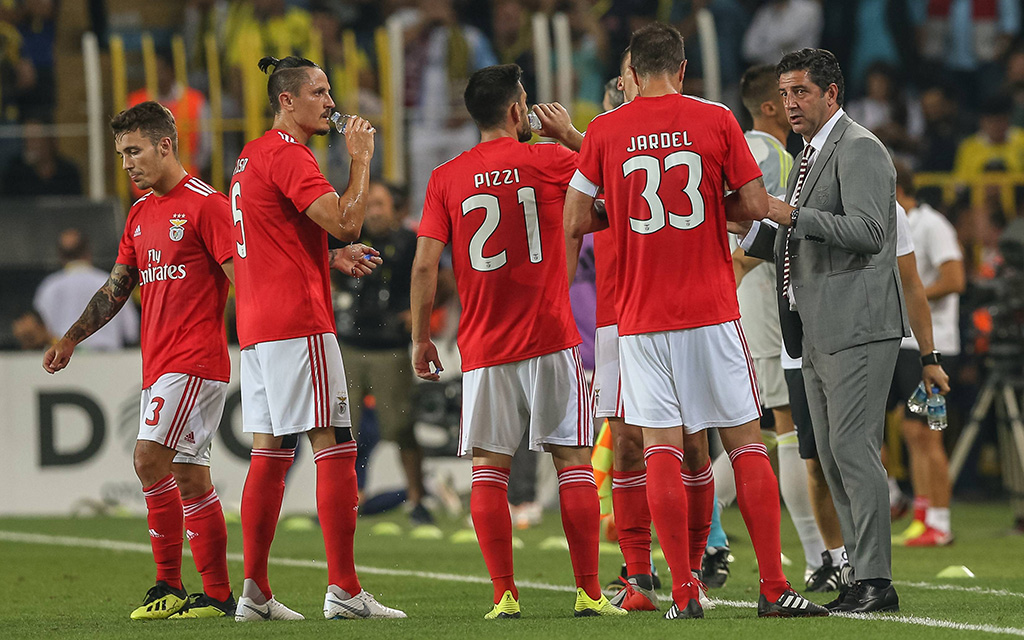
(698, 378)
(183, 412)
(607, 389)
(292, 386)
(771, 382)
(547, 395)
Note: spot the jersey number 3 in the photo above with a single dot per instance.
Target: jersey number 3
(492, 216)
(236, 215)
(652, 168)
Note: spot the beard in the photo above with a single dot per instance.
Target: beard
(525, 133)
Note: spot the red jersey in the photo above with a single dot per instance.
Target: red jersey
(178, 242)
(664, 163)
(500, 206)
(605, 261)
(281, 273)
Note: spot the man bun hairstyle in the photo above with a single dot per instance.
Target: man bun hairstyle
(288, 76)
(489, 93)
(149, 118)
(821, 66)
(656, 49)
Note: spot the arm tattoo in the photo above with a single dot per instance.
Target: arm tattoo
(333, 257)
(106, 303)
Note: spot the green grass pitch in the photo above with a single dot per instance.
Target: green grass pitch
(57, 581)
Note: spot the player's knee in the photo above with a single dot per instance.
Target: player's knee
(193, 480)
(629, 449)
(150, 468)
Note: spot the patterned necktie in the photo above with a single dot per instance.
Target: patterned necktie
(804, 164)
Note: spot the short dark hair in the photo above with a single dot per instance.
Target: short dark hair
(615, 94)
(288, 76)
(149, 118)
(1000, 104)
(821, 67)
(758, 85)
(905, 178)
(489, 93)
(656, 49)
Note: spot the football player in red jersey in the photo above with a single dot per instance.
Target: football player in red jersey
(665, 161)
(293, 379)
(177, 246)
(499, 206)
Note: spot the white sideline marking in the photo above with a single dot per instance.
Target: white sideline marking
(134, 547)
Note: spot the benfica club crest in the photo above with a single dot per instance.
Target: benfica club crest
(177, 226)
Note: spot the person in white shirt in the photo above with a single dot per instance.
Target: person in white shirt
(60, 295)
(781, 26)
(940, 264)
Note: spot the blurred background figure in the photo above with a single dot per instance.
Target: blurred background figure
(40, 170)
(30, 333)
(373, 326)
(62, 294)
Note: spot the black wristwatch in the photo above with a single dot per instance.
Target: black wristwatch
(793, 216)
(932, 358)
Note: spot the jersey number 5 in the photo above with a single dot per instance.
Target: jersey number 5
(236, 214)
(652, 167)
(492, 216)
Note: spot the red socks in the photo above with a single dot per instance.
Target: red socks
(757, 492)
(488, 505)
(165, 519)
(208, 539)
(700, 500)
(632, 520)
(581, 513)
(336, 504)
(667, 499)
(921, 504)
(261, 507)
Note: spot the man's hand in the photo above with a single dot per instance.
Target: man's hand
(934, 374)
(356, 260)
(424, 354)
(359, 139)
(741, 228)
(555, 122)
(58, 356)
(779, 211)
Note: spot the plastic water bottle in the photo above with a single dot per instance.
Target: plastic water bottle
(918, 401)
(936, 410)
(534, 121)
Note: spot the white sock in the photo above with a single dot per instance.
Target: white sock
(725, 481)
(793, 487)
(937, 518)
(839, 556)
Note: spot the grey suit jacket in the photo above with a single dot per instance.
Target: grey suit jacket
(843, 248)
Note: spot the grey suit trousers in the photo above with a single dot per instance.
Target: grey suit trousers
(846, 393)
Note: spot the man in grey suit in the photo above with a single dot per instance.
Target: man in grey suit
(841, 305)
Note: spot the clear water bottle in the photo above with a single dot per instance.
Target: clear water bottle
(918, 402)
(936, 410)
(534, 121)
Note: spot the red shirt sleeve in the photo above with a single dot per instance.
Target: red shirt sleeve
(297, 174)
(589, 162)
(435, 222)
(126, 248)
(216, 228)
(739, 165)
(562, 165)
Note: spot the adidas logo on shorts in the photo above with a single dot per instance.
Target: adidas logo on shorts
(190, 438)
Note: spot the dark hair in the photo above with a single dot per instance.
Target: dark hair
(1000, 104)
(489, 93)
(905, 178)
(821, 67)
(622, 58)
(758, 85)
(149, 118)
(72, 244)
(288, 76)
(615, 95)
(656, 49)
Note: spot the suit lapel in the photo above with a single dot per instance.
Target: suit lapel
(823, 156)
